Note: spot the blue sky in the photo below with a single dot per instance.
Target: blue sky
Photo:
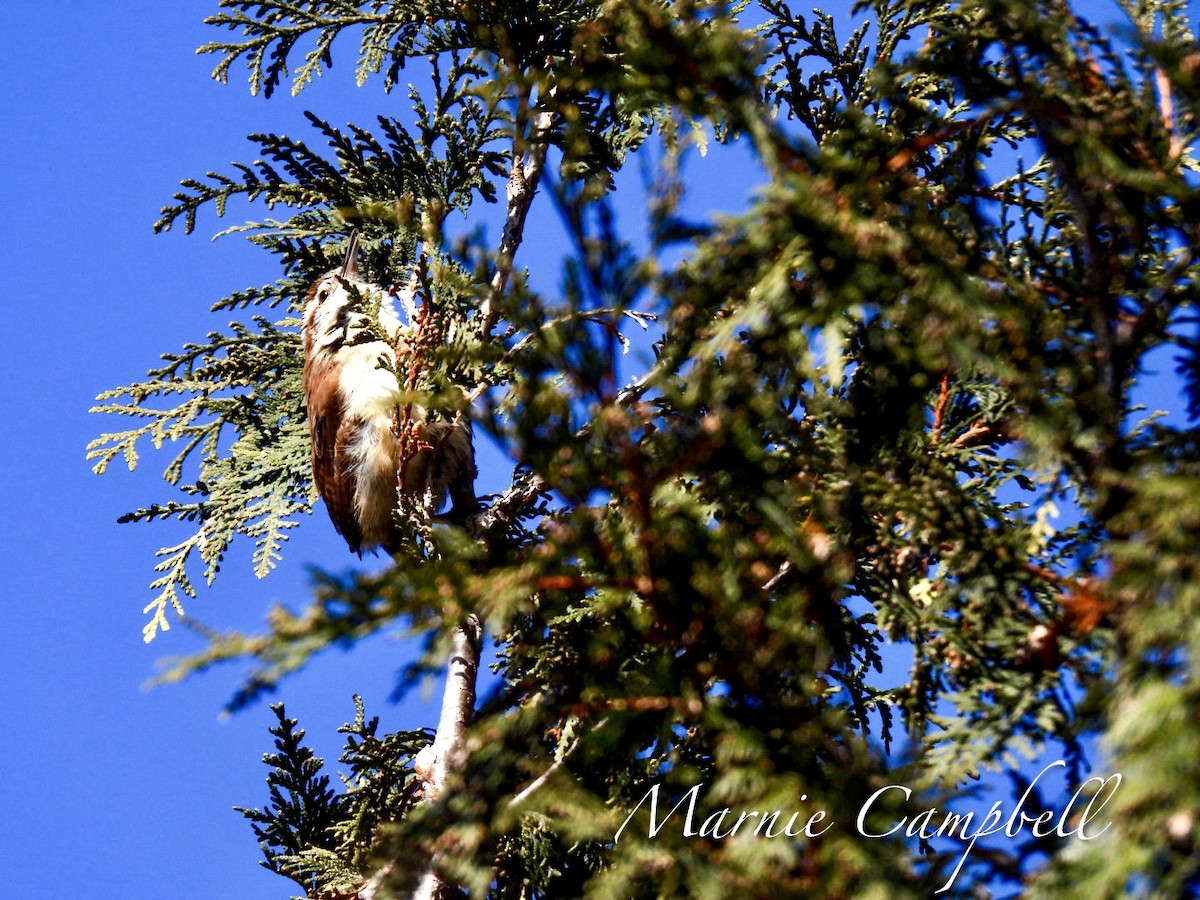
(112, 790)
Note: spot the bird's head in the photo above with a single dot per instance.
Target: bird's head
(335, 304)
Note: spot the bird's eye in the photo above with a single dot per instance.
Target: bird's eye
(323, 293)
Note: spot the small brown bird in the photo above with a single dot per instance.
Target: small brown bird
(354, 400)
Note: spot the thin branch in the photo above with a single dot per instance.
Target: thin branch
(509, 506)
(939, 412)
(977, 433)
(529, 155)
(778, 578)
(1166, 110)
(530, 789)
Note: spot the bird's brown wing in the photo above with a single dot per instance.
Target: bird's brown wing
(331, 433)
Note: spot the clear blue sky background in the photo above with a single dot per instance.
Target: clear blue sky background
(110, 790)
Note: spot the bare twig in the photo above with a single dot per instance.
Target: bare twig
(778, 578)
(530, 789)
(977, 433)
(509, 506)
(1166, 110)
(939, 412)
(408, 296)
(529, 155)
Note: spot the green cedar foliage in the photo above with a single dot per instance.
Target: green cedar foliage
(888, 405)
(314, 835)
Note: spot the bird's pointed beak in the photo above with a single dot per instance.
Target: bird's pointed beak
(350, 265)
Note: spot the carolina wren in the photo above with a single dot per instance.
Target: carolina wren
(359, 424)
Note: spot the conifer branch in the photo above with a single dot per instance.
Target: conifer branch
(272, 28)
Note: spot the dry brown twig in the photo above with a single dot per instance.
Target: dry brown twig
(1166, 110)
